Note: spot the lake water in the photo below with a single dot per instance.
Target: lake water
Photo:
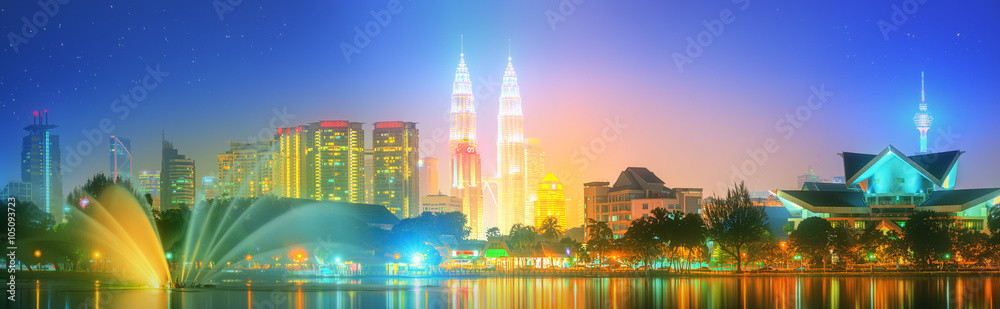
(880, 291)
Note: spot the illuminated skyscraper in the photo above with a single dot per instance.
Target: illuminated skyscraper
(177, 182)
(121, 158)
(511, 152)
(464, 162)
(291, 150)
(337, 161)
(246, 170)
(923, 118)
(209, 188)
(428, 176)
(534, 155)
(40, 165)
(149, 182)
(322, 161)
(395, 178)
(551, 201)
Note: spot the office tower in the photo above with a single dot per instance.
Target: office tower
(210, 188)
(40, 165)
(534, 156)
(246, 170)
(395, 178)
(322, 161)
(923, 118)
(336, 161)
(464, 161)
(574, 213)
(807, 177)
(121, 158)
(511, 152)
(428, 176)
(491, 188)
(149, 182)
(369, 171)
(291, 150)
(551, 202)
(19, 190)
(177, 180)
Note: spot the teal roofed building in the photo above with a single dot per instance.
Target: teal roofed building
(884, 189)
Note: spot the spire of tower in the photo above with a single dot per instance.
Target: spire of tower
(508, 50)
(462, 38)
(923, 118)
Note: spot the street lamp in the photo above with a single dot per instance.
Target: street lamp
(38, 253)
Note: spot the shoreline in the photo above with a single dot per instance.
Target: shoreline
(78, 276)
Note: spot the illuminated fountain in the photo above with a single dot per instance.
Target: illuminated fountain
(225, 236)
(120, 230)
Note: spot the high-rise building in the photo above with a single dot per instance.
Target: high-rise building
(369, 171)
(336, 161)
(247, 170)
(322, 161)
(464, 162)
(923, 118)
(574, 213)
(40, 165)
(511, 152)
(395, 178)
(177, 178)
(534, 156)
(428, 176)
(551, 202)
(19, 190)
(440, 204)
(807, 177)
(291, 154)
(121, 158)
(491, 188)
(149, 183)
(209, 187)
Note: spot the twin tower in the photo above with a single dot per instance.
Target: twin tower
(465, 164)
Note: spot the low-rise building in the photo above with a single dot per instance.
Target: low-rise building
(635, 193)
(885, 189)
(440, 204)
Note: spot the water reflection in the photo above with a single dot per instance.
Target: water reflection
(917, 291)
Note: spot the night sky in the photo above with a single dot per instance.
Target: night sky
(223, 79)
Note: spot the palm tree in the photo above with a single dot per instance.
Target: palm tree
(550, 229)
(493, 232)
(523, 239)
(600, 237)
